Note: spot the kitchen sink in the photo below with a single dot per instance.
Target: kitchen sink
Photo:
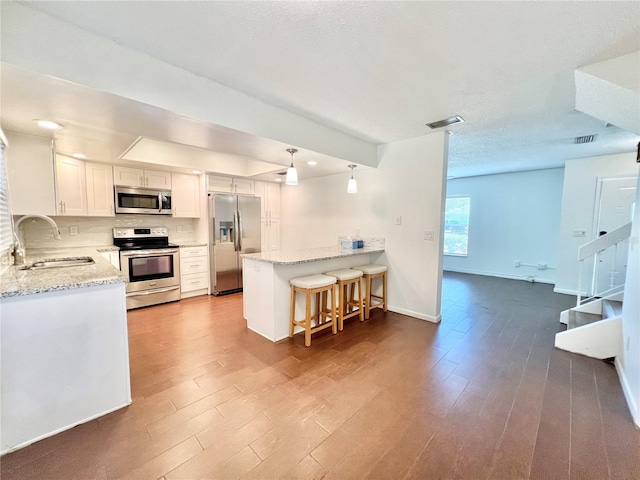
(59, 262)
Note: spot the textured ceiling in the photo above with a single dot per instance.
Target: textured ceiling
(381, 70)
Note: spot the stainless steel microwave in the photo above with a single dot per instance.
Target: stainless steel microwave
(143, 200)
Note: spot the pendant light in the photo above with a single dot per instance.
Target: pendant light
(352, 186)
(292, 173)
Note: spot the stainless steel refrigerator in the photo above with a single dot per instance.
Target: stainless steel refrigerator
(234, 228)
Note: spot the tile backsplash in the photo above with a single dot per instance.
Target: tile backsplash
(94, 231)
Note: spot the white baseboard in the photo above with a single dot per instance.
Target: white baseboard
(498, 275)
(628, 395)
(411, 313)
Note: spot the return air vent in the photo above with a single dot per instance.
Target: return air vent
(585, 139)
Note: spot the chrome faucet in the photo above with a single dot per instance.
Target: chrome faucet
(18, 250)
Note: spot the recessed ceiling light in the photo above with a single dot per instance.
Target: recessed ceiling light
(48, 124)
(312, 163)
(446, 122)
(196, 172)
(81, 156)
(278, 179)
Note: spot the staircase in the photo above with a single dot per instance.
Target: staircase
(594, 325)
(594, 329)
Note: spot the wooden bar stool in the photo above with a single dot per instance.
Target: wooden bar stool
(371, 272)
(348, 305)
(320, 285)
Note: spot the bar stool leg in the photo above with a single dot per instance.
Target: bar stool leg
(334, 327)
(367, 307)
(307, 323)
(340, 306)
(384, 291)
(293, 311)
(360, 299)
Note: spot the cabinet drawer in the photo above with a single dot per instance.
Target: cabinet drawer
(189, 252)
(194, 281)
(193, 265)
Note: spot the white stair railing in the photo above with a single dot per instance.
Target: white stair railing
(594, 248)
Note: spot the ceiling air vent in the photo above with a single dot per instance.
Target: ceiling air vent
(446, 122)
(585, 139)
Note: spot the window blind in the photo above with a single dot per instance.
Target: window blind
(6, 236)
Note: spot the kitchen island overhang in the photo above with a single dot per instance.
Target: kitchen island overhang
(267, 293)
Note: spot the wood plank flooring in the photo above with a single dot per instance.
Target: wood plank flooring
(483, 395)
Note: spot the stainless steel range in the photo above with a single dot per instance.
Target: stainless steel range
(151, 264)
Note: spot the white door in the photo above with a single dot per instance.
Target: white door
(617, 197)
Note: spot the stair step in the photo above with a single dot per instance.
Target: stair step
(611, 308)
(579, 319)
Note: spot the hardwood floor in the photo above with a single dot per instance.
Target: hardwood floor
(482, 395)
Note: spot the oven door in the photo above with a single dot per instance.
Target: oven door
(150, 269)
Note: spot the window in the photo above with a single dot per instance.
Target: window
(456, 226)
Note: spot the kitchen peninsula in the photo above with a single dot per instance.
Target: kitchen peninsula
(266, 276)
(64, 344)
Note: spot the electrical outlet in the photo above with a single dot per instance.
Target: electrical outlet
(517, 264)
(428, 235)
(73, 230)
(179, 228)
(542, 266)
(579, 233)
(398, 220)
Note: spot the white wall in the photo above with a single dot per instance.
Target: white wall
(513, 216)
(409, 182)
(581, 177)
(628, 365)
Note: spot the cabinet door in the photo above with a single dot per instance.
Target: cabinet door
(30, 172)
(219, 184)
(264, 234)
(245, 187)
(274, 199)
(155, 179)
(185, 195)
(273, 240)
(99, 190)
(127, 176)
(261, 190)
(71, 186)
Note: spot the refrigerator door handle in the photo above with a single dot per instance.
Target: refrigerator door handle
(239, 231)
(235, 230)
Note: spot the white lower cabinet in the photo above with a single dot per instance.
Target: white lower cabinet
(194, 271)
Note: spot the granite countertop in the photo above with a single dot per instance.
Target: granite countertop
(294, 257)
(16, 282)
(191, 244)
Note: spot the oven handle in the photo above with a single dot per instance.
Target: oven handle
(151, 292)
(140, 253)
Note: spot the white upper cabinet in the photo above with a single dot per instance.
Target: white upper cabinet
(30, 172)
(270, 195)
(218, 184)
(243, 186)
(185, 195)
(71, 190)
(99, 190)
(137, 177)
